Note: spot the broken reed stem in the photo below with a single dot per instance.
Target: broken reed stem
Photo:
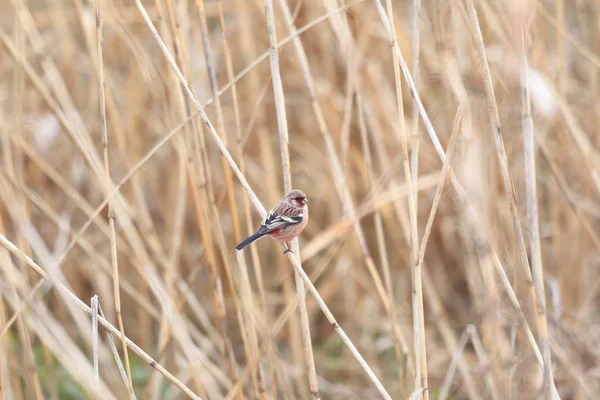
(14, 250)
(113, 348)
(111, 214)
(256, 202)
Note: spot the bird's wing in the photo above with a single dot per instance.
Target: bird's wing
(280, 217)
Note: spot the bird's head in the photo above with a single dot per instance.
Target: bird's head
(297, 198)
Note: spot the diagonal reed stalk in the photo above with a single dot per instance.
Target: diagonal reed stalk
(10, 247)
(225, 324)
(258, 205)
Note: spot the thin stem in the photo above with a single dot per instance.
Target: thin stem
(287, 183)
(532, 217)
(9, 246)
(258, 205)
(111, 214)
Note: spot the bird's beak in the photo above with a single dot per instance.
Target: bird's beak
(304, 200)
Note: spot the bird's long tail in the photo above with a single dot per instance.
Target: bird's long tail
(249, 240)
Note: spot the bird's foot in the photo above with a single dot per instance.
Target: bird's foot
(288, 250)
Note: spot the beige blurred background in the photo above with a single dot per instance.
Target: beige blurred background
(143, 199)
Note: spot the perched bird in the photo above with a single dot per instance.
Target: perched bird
(285, 221)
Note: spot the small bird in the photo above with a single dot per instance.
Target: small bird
(285, 221)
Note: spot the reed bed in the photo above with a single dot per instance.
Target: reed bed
(448, 151)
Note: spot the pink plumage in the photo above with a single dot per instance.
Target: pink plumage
(285, 221)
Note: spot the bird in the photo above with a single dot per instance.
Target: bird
(284, 222)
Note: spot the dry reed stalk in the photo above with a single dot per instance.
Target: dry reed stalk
(114, 351)
(477, 258)
(258, 205)
(277, 326)
(453, 346)
(97, 262)
(4, 371)
(10, 382)
(143, 216)
(250, 324)
(246, 203)
(345, 38)
(499, 142)
(420, 347)
(212, 375)
(416, 50)
(392, 195)
(483, 360)
(77, 131)
(93, 213)
(501, 153)
(457, 355)
(197, 180)
(520, 314)
(380, 235)
(245, 34)
(47, 191)
(32, 385)
(203, 194)
(429, 127)
(337, 173)
(576, 208)
(537, 270)
(438, 192)
(63, 107)
(588, 53)
(94, 306)
(50, 333)
(174, 254)
(287, 184)
(56, 339)
(212, 78)
(11, 156)
(60, 223)
(11, 248)
(401, 211)
(111, 215)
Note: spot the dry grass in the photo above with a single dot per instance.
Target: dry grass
(449, 158)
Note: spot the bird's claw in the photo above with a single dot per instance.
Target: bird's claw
(287, 251)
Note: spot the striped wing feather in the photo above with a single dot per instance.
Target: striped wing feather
(281, 216)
